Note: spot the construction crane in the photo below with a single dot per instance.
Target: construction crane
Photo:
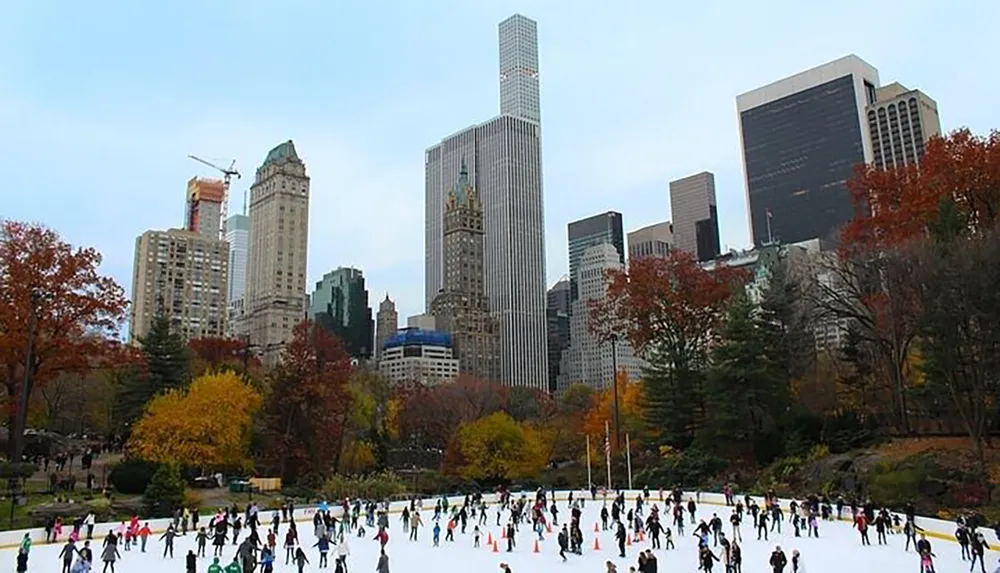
(227, 175)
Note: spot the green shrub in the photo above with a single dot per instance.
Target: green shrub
(379, 485)
(894, 488)
(132, 475)
(20, 470)
(166, 491)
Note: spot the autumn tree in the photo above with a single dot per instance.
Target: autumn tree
(630, 413)
(429, 417)
(669, 309)
(367, 424)
(496, 449)
(307, 408)
(206, 426)
(56, 302)
(216, 354)
(166, 365)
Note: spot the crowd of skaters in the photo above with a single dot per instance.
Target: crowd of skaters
(333, 525)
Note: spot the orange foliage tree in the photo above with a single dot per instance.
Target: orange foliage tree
(669, 309)
(896, 206)
(602, 411)
(206, 426)
(217, 354)
(306, 412)
(55, 300)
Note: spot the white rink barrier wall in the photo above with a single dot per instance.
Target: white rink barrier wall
(935, 528)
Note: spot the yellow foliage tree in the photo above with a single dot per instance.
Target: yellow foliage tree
(206, 426)
(496, 448)
(629, 410)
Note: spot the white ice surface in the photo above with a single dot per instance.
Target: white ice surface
(838, 550)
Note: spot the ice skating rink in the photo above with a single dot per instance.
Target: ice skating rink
(838, 550)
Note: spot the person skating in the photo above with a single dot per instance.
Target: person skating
(978, 549)
(563, 540)
(383, 563)
(510, 536)
(416, 523)
(962, 537)
(215, 567)
(109, 556)
(861, 524)
(778, 560)
(910, 530)
(323, 545)
(880, 526)
(234, 567)
(735, 519)
(67, 554)
(706, 559)
(168, 539)
(761, 522)
(344, 551)
(191, 561)
(267, 560)
(797, 565)
(621, 535)
(300, 559)
(22, 562)
(736, 558)
(436, 531)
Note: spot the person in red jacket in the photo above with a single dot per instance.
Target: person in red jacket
(144, 533)
(861, 523)
(382, 536)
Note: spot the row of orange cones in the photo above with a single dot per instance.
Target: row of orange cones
(490, 542)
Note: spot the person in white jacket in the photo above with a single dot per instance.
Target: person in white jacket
(343, 551)
(89, 521)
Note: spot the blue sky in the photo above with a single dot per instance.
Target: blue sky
(101, 102)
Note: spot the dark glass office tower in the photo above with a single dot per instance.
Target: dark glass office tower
(802, 138)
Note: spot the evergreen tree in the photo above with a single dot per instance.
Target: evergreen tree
(747, 387)
(673, 397)
(167, 366)
(783, 312)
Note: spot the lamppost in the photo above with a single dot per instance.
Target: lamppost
(614, 387)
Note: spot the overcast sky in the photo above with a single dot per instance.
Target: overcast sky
(101, 102)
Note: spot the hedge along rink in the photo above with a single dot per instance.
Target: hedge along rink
(935, 528)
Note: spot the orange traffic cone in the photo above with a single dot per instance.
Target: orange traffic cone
(642, 536)
(548, 528)
(489, 539)
(503, 533)
(597, 544)
(628, 540)
(537, 550)
(495, 548)
(596, 529)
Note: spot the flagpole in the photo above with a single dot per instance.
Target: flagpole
(770, 238)
(590, 481)
(628, 461)
(607, 450)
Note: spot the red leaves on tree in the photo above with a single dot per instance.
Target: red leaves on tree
(671, 300)
(430, 416)
(895, 206)
(306, 412)
(215, 354)
(77, 312)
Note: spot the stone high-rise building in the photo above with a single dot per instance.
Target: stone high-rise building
(504, 161)
(386, 324)
(184, 274)
(651, 241)
(276, 271)
(588, 360)
(462, 308)
(238, 236)
(900, 122)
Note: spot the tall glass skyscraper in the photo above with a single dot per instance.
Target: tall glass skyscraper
(801, 139)
(504, 162)
(585, 233)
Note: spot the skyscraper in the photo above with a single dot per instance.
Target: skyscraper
(519, 95)
(203, 212)
(651, 241)
(386, 324)
(900, 122)
(588, 360)
(557, 307)
(462, 307)
(695, 216)
(238, 237)
(340, 305)
(504, 164)
(184, 275)
(596, 230)
(276, 270)
(801, 138)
